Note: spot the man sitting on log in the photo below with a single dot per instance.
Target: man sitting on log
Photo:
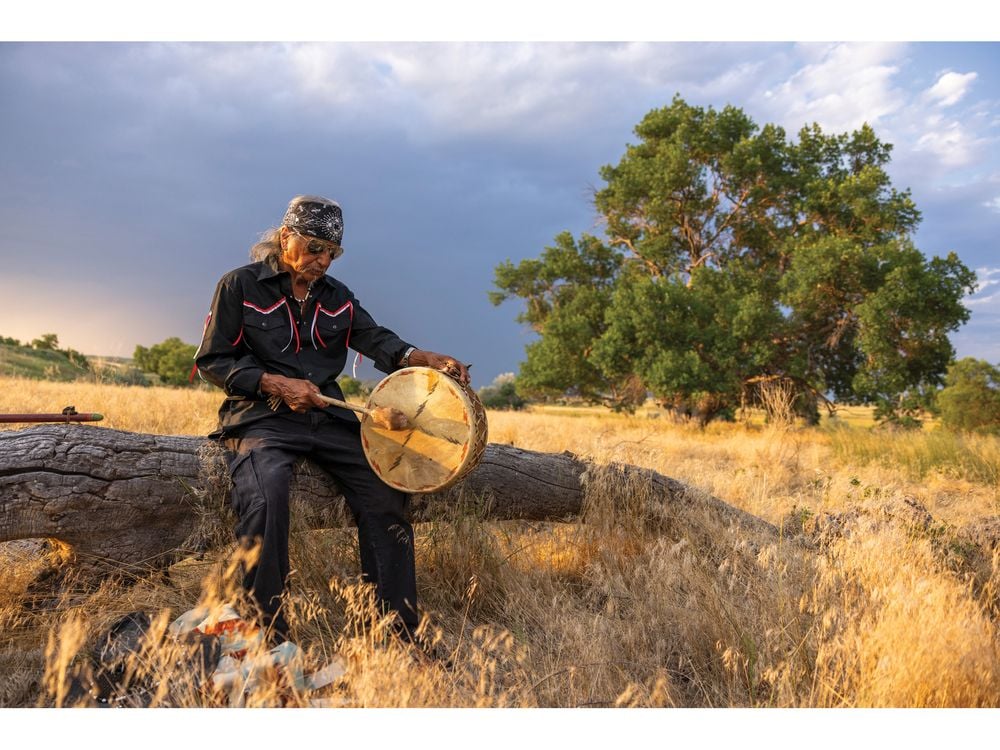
(281, 327)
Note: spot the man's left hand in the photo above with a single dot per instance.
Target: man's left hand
(448, 365)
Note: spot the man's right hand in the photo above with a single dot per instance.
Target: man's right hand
(300, 395)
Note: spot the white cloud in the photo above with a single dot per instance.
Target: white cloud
(987, 278)
(939, 144)
(525, 91)
(950, 87)
(990, 300)
(994, 204)
(841, 86)
(733, 82)
(336, 73)
(517, 89)
(476, 87)
(950, 141)
(453, 87)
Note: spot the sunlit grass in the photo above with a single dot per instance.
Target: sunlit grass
(163, 411)
(920, 454)
(857, 602)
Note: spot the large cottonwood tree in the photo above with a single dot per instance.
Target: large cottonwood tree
(733, 257)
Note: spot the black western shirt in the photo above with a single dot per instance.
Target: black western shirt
(256, 326)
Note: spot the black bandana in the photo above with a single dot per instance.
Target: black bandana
(316, 217)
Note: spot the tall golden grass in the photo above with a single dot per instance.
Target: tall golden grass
(871, 595)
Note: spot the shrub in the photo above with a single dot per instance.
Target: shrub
(46, 341)
(502, 393)
(171, 360)
(970, 400)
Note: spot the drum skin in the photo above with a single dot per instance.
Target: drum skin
(447, 438)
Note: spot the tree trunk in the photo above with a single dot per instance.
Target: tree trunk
(133, 500)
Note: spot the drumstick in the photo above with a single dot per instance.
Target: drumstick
(382, 416)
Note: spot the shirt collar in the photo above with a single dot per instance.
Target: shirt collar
(268, 269)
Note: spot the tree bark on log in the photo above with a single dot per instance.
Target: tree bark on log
(134, 500)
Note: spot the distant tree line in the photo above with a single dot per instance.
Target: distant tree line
(502, 393)
(969, 400)
(50, 342)
(735, 257)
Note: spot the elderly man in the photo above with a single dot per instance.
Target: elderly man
(281, 327)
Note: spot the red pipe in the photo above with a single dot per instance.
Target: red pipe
(51, 417)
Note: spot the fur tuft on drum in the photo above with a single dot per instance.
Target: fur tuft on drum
(447, 438)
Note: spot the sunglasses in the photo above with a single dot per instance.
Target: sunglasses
(318, 247)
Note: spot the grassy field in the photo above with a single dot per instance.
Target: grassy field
(881, 588)
(22, 361)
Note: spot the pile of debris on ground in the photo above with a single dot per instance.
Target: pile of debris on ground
(213, 650)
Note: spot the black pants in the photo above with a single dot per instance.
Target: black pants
(263, 455)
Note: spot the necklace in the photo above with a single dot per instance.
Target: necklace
(303, 300)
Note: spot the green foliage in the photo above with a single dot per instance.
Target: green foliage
(48, 341)
(170, 360)
(353, 387)
(970, 400)
(902, 329)
(10, 341)
(77, 358)
(502, 393)
(567, 291)
(41, 364)
(733, 256)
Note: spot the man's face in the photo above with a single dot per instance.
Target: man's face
(306, 255)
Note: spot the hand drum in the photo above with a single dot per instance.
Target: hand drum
(447, 438)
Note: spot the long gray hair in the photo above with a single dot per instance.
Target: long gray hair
(268, 247)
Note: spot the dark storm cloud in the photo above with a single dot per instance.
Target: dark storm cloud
(142, 172)
(137, 165)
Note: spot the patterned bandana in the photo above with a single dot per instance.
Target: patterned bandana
(315, 216)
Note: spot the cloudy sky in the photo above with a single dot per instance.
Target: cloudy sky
(135, 174)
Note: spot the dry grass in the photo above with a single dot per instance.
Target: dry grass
(862, 600)
(162, 411)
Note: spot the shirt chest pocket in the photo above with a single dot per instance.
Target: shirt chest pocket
(332, 327)
(270, 330)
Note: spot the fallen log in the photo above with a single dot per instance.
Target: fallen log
(139, 500)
